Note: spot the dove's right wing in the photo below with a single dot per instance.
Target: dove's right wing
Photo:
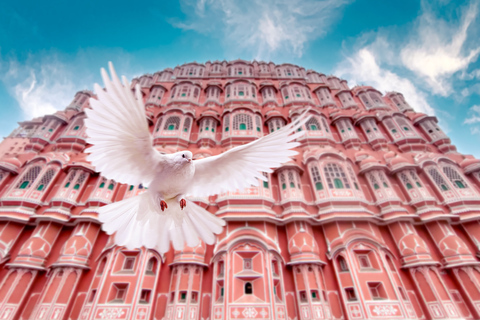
(118, 130)
(242, 166)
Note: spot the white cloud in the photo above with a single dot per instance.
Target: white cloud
(437, 49)
(261, 27)
(41, 87)
(474, 115)
(363, 68)
(47, 82)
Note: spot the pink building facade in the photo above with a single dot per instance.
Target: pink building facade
(377, 217)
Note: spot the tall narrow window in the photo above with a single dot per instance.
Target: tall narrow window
(248, 288)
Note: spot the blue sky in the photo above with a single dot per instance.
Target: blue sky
(429, 51)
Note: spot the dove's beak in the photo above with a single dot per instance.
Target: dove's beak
(189, 160)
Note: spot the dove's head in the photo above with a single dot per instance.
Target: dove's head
(183, 157)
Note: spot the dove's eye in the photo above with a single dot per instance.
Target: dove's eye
(183, 156)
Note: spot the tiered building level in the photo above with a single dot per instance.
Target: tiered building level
(376, 218)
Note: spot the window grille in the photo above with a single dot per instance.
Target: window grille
(373, 181)
(29, 177)
(159, 124)
(186, 124)
(282, 181)
(45, 180)
(244, 119)
(70, 178)
(454, 177)
(333, 171)
(317, 180)
(438, 179)
(383, 179)
(352, 176)
(313, 124)
(325, 125)
(173, 123)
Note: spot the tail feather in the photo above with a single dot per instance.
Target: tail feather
(139, 221)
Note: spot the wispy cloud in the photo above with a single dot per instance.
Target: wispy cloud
(261, 28)
(47, 82)
(438, 49)
(474, 115)
(40, 87)
(363, 68)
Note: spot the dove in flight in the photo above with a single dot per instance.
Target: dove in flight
(122, 150)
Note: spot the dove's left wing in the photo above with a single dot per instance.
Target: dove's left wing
(242, 166)
(118, 130)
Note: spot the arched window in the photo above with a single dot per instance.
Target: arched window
(172, 123)
(159, 124)
(242, 121)
(317, 180)
(342, 264)
(248, 288)
(29, 177)
(454, 177)
(313, 124)
(151, 265)
(46, 178)
(275, 124)
(438, 178)
(186, 124)
(335, 176)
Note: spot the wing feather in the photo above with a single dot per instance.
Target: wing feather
(117, 128)
(242, 166)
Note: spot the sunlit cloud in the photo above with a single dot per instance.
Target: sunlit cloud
(437, 49)
(261, 28)
(362, 68)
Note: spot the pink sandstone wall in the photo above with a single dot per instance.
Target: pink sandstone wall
(377, 217)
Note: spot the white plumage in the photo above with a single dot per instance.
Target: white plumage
(123, 150)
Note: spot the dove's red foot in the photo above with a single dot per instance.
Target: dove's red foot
(163, 205)
(183, 203)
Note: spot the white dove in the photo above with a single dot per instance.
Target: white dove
(123, 151)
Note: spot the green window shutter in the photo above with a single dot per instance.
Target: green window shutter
(319, 186)
(241, 94)
(76, 128)
(243, 126)
(258, 129)
(385, 185)
(444, 187)
(265, 184)
(459, 184)
(67, 185)
(171, 127)
(102, 185)
(24, 184)
(284, 186)
(131, 188)
(338, 183)
(110, 187)
(292, 185)
(376, 187)
(409, 186)
(419, 185)
(226, 129)
(76, 187)
(40, 187)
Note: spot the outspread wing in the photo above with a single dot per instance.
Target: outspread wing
(242, 166)
(117, 128)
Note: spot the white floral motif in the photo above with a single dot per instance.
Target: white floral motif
(385, 310)
(111, 313)
(250, 312)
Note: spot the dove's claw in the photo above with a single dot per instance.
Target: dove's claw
(163, 205)
(183, 203)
